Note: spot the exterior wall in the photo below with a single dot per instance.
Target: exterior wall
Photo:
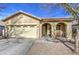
(23, 26)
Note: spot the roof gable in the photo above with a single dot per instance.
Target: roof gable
(20, 12)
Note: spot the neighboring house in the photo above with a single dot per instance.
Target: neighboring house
(2, 29)
(25, 25)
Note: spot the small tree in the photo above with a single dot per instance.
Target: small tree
(74, 12)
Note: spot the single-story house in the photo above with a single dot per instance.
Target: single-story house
(22, 24)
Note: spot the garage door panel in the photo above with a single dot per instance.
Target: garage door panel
(29, 32)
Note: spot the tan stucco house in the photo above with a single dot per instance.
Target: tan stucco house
(22, 24)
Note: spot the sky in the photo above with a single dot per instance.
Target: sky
(37, 9)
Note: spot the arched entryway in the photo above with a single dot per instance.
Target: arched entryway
(46, 29)
(61, 30)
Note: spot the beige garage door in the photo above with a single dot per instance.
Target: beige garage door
(29, 31)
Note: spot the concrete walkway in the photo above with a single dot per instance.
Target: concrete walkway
(43, 47)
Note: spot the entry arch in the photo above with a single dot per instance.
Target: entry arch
(61, 30)
(46, 29)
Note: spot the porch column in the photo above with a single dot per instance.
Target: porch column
(69, 31)
(53, 29)
(40, 30)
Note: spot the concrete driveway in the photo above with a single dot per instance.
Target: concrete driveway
(56, 47)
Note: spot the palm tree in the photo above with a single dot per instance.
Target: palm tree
(74, 12)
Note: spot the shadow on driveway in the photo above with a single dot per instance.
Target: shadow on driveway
(68, 44)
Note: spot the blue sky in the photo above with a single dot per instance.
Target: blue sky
(37, 9)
